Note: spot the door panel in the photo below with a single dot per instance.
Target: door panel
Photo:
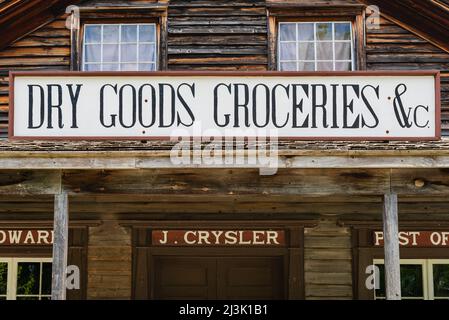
(185, 278)
(250, 278)
(218, 278)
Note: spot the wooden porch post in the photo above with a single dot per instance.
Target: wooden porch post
(391, 247)
(60, 246)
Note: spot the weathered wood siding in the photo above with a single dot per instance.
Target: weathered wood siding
(109, 262)
(217, 35)
(47, 48)
(393, 48)
(328, 262)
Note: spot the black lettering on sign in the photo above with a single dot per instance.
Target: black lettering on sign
(31, 109)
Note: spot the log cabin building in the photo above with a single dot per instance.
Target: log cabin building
(138, 226)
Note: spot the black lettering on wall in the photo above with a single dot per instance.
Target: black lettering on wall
(370, 107)
(74, 96)
(267, 105)
(185, 104)
(162, 100)
(52, 105)
(241, 105)
(31, 124)
(226, 115)
(316, 105)
(274, 104)
(142, 99)
(113, 116)
(348, 106)
(298, 106)
(134, 106)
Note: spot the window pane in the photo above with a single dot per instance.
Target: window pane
(129, 53)
(342, 31)
(129, 67)
(441, 280)
(306, 51)
(324, 66)
(27, 298)
(305, 32)
(412, 281)
(343, 51)
(288, 66)
(288, 32)
(92, 67)
(3, 277)
(93, 53)
(147, 33)
(288, 51)
(93, 34)
(324, 31)
(343, 66)
(147, 67)
(129, 33)
(110, 53)
(46, 278)
(28, 274)
(306, 66)
(111, 34)
(111, 67)
(324, 51)
(147, 52)
(380, 293)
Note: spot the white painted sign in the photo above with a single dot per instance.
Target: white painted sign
(352, 106)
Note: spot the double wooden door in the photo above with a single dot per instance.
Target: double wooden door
(218, 278)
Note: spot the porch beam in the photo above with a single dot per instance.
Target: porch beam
(60, 246)
(391, 247)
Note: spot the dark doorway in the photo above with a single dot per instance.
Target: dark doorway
(183, 277)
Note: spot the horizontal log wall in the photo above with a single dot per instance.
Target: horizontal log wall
(109, 262)
(328, 262)
(393, 48)
(217, 35)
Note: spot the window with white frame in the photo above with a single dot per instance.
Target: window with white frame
(425, 279)
(315, 46)
(25, 278)
(120, 47)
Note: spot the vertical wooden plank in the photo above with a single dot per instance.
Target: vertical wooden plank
(295, 274)
(77, 255)
(391, 247)
(163, 45)
(272, 43)
(60, 247)
(360, 40)
(295, 269)
(75, 40)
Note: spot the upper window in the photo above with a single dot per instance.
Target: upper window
(119, 47)
(315, 46)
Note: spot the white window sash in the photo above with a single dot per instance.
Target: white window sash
(120, 63)
(315, 41)
(11, 285)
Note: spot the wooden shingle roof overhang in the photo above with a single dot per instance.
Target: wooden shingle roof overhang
(427, 18)
(112, 155)
(21, 17)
